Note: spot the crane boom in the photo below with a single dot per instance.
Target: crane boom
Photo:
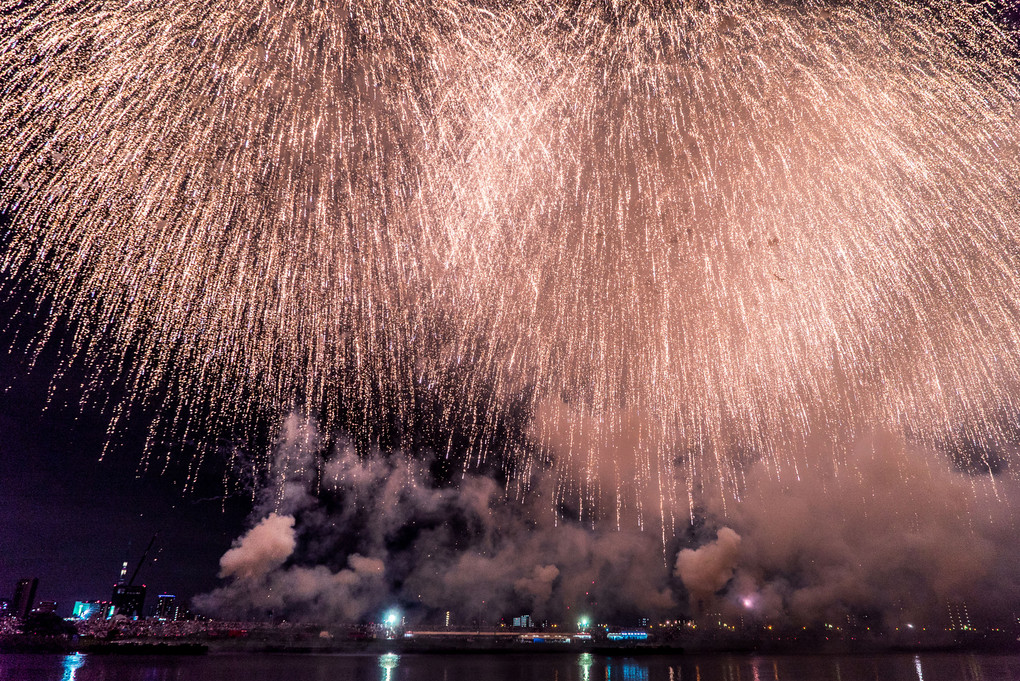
(142, 559)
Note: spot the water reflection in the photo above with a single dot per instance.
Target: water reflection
(71, 665)
(585, 661)
(627, 670)
(388, 663)
(732, 668)
(974, 669)
(756, 668)
(553, 666)
(633, 671)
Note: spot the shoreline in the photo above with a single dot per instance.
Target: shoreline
(190, 647)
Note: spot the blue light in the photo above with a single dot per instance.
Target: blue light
(71, 665)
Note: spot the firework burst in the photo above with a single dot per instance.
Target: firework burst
(220, 193)
(662, 231)
(726, 232)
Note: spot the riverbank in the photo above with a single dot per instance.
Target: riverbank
(998, 644)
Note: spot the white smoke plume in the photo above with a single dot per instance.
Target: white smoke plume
(707, 569)
(888, 534)
(377, 529)
(262, 549)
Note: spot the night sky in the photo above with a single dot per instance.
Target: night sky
(71, 520)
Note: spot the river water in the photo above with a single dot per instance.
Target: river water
(511, 667)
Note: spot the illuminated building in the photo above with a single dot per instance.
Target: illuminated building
(24, 596)
(87, 610)
(128, 600)
(959, 617)
(167, 608)
(628, 635)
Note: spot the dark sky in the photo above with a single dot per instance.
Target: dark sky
(71, 520)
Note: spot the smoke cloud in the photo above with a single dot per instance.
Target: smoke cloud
(893, 534)
(707, 569)
(262, 549)
(377, 529)
(886, 533)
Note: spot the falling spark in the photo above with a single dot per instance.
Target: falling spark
(674, 236)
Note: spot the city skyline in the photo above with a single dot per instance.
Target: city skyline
(72, 520)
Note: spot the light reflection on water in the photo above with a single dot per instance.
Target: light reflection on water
(511, 667)
(585, 660)
(627, 669)
(725, 667)
(634, 671)
(388, 663)
(72, 663)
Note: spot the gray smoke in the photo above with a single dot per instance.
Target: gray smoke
(707, 569)
(893, 534)
(261, 550)
(888, 533)
(339, 535)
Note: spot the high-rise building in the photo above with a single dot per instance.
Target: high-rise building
(128, 600)
(959, 617)
(167, 608)
(524, 621)
(24, 597)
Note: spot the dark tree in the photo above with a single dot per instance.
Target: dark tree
(47, 624)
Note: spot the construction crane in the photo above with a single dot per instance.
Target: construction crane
(141, 560)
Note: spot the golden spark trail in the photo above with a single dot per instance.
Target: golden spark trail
(720, 234)
(676, 236)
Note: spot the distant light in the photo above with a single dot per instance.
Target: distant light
(392, 618)
(748, 602)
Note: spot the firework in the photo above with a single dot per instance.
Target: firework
(661, 231)
(220, 192)
(725, 233)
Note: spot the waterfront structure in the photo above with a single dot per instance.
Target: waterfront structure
(128, 600)
(24, 596)
(524, 622)
(167, 607)
(90, 610)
